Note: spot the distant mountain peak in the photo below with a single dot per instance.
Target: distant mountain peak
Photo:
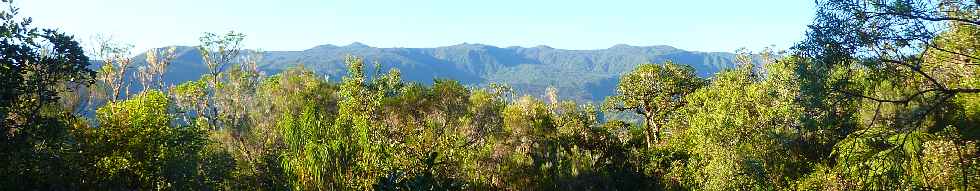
(357, 45)
(664, 48)
(622, 46)
(325, 46)
(471, 45)
(543, 47)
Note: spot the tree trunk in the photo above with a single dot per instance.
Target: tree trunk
(656, 132)
(648, 128)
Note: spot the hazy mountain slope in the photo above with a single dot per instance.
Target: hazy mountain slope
(578, 74)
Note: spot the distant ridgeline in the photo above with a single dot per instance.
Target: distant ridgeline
(584, 75)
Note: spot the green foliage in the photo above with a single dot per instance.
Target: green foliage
(135, 146)
(654, 92)
(427, 180)
(739, 131)
(887, 104)
(334, 154)
(36, 147)
(883, 101)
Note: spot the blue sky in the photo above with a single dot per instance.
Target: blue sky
(703, 25)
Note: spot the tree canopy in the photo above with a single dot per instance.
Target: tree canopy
(879, 95)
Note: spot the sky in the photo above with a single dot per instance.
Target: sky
(700, 25)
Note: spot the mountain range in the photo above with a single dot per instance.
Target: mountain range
(585, 75)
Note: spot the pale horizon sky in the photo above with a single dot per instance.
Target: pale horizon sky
(698, 25)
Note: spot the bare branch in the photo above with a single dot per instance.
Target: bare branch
(908, 99)
(928, 18)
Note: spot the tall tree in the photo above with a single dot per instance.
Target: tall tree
(116, 62)
(34, 143)
(218, 52)
(888, 75)
(654, 92)
(739, 130)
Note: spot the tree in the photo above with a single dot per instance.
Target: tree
(654, 92)
(227, 99)
(527, 131)
(116, 61)
(739, 131)
(135, 147)
(889, 75)
(36, 151)
(903, 41)
(335, 146)
(151, 75)
(218, 52)
(190, 99)
(234, 99)
(484, 120)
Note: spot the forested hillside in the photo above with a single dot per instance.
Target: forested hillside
(878, 95)
(584, 75)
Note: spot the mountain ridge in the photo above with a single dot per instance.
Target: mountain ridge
(587, 75)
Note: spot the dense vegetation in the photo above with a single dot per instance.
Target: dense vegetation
(880, 95)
